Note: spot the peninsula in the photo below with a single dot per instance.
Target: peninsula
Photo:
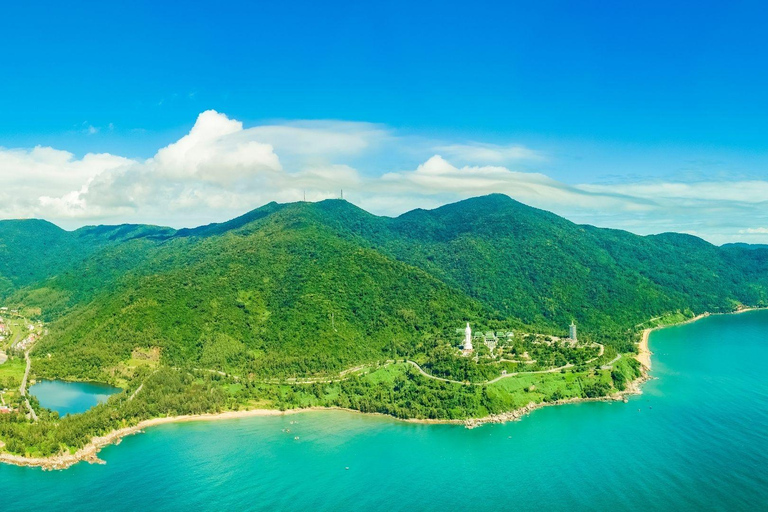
(465, 314)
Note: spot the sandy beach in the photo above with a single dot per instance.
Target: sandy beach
(644, 353)
(89, 452)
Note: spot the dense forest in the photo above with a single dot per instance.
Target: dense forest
(311, 289)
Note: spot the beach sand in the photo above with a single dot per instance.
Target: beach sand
(644, 353)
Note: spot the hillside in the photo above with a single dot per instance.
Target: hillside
(281, 296)
(304, 288)
(32, 251)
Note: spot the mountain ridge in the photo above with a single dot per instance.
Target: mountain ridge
(491, 260)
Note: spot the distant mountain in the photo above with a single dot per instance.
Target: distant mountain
(33, 250)
(741, 245)
(300, 288)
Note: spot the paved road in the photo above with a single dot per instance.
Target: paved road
(513, 374)
(609, 366)
(487, 382)
(346, 374)
(23, 388)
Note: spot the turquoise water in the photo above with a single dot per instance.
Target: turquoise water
(697, 439)
(71, 397)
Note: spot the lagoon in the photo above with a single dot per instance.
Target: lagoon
(697, 439)
(71, 397)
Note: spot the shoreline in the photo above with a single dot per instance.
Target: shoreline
(644, 352)
(90, 451)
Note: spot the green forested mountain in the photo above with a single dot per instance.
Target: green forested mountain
(33, 250)
(303, 288)
(266, 309)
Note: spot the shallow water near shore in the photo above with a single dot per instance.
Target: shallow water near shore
(696, 439)
(71, 397)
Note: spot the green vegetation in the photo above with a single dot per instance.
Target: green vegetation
(264, 310)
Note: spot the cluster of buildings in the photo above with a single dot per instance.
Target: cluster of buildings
(491, 339)
(5, 330)
(5, 408)
(27, 342)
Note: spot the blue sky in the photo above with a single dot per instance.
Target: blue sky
(601, 94)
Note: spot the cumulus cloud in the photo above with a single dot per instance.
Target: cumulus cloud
(221, 169)
(216, 170)
(211, 153)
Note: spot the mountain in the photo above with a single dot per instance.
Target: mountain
(304, 288)
(741, 245)
(324, 304)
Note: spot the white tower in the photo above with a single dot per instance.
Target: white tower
(573, 331)
(468, 339)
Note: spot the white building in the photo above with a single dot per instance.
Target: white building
(572, 331)
(468, 339)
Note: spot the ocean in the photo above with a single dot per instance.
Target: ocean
(696, 439)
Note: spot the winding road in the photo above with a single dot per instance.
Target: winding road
(346, 374)
(609, 365)
(487, 382)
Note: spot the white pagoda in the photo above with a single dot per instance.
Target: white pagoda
(468, 339)
(572, 331)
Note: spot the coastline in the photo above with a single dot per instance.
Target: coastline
(90, 451)
(644, 353)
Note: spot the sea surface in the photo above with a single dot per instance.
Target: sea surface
(697, 439)
(70, 397)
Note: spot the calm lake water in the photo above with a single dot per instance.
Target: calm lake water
(697, 439)
(71, 397)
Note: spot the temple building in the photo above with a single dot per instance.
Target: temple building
(572, 331)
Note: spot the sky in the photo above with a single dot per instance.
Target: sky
(645, 116)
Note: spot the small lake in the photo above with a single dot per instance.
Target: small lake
(71, 397)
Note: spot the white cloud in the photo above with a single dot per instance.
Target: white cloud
(478, 152)
(321, 138)
(221, 169)
(754, 231)
(211, 152)
(437, 176)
